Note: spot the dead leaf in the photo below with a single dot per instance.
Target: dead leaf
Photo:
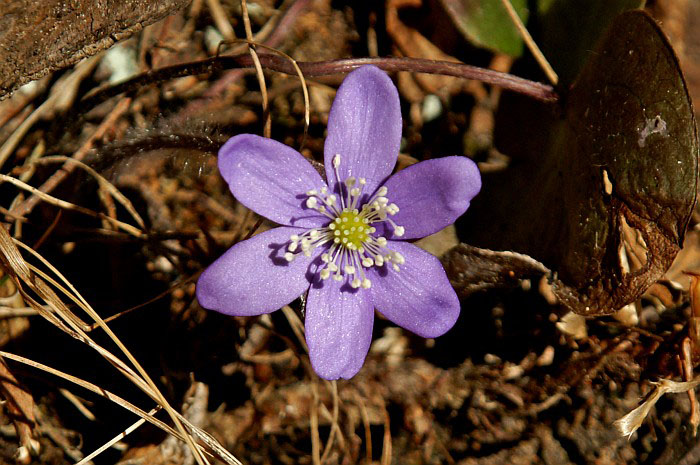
(623, 153)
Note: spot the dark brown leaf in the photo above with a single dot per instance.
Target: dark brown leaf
(621, 162)
(472, 269)
(40, 36)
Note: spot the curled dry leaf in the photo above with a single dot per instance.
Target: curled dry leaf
(628, 424)
(622, 155)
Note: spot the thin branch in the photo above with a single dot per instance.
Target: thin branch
(531, 44)
(536, 90)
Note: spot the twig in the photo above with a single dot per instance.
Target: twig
(70, 206)
(63, 91)
(221, 20)
(25, 207)
(536, 90)
(531, 45)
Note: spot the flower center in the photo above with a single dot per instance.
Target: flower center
(351, 226)
(349, 237)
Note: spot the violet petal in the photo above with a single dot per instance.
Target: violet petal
(419, 297)
(364, 127)
(338, 329)
(432, 194)
(253, 277)
(271, 179)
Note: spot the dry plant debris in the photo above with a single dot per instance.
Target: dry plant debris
(112, 205)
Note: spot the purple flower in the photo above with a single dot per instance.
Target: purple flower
(344, 240)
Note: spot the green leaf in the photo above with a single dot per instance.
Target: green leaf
(621, 156)
(486, 23)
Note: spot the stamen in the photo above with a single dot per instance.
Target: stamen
(349, 237)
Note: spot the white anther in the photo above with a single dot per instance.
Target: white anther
(336, 240)
(289, 256)
(381, 241)
(379, 260)
(399, 231)
(336, 232)
(294, 237)
(366, 283)
(314, 233)
(349, 269)
(349, 182)
(325, 258)
(333, 267)
(336, 160)
(362, 181)
(307, 252)
(293, 247)
(322, 209)
(355, 283)
(396, 268)
(325, 273)
(382, 191)
(324, 190)
(398, 258)
(367, 262)
(311, 202)
(312, 192)
(354, 192)
(330, 200)
(338, 277)
(331, 226)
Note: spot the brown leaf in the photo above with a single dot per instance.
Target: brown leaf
(19, 405)
(40, 36)
(619, 162)
(472, 269)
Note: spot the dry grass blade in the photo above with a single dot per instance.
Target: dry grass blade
(108, 186)
(267, 131)
(117, 438)
(27, 205)
(64, 92)
(148, 302)
(142, 380)
(11, 312)
(315, 437)
(70, 206)
(304, 87)
(221, 20)
(213, 446)
(335, 429)
(531, 45)
(93, 388)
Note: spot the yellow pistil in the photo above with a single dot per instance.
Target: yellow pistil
(351, 228)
